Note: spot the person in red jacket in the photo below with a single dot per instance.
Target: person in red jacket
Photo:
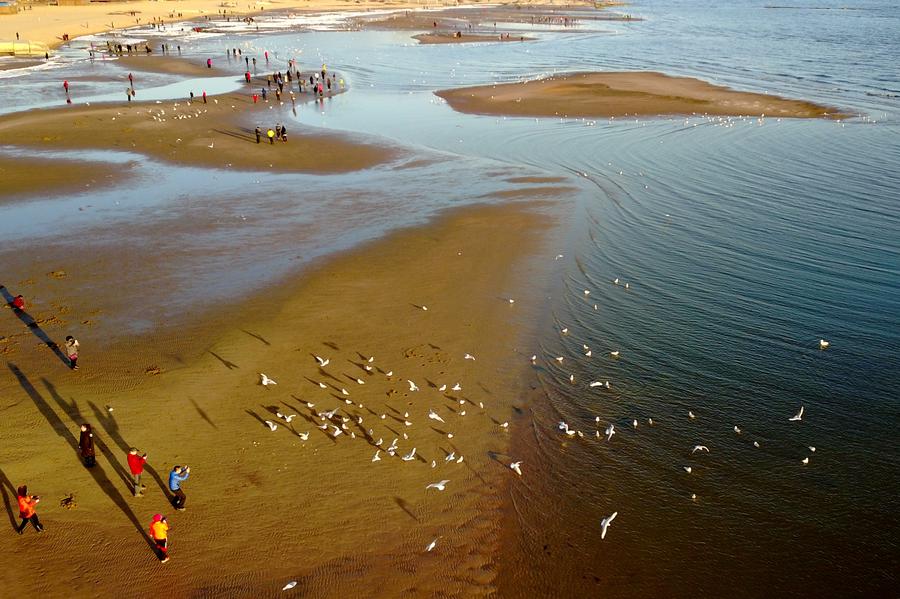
(18, 304)
(27, 503)
(136, 465)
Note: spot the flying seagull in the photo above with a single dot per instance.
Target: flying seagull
(412, 386)
(515, 467)
(431, 545)
(322, 361)
(265, 381)
(700, 448)
(604, 524)
(439, 486)
(272, 426)
(798, 416)
(434, 416)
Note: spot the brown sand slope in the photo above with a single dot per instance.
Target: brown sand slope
(183, 133)
(599, 95)
(266, 507)
(43, 176)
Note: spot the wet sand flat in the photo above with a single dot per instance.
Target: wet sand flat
(446, 38)
(33, 175)
(269, 507)
(598, 95)
(216, 134)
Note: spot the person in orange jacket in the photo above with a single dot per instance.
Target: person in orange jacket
(159, 532)
(27, 513)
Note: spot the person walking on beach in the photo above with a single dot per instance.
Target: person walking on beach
(130, 80)
(136, 466)
(204, 96)
(72, 346)
(209, 63)
(159, 532)
(178, 475)
(27, 513)
(18, 304)
(66, 86)
(86, 446)
(271, 135)
(258, 134)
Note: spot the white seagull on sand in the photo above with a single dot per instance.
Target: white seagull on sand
(604, 524)
(412, 386)
(303, 436)
(377, 457)
(469, 357)
(434, 416)
(272, 426)
(516, 467)
(265, 381)
(456, 387)
(289, 585)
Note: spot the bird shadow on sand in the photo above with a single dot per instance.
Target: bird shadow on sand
(33, 326)
(332, 345)
(255, 336)
(203, 414)
(259, 418)
(8, 490)
(56, 423)
(404, 505)
(226, 363)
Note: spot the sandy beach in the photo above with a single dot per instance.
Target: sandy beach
(598, 95)
(288, 497)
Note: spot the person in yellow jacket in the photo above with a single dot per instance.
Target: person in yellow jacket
(159, 532)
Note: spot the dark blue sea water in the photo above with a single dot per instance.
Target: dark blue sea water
(743, 242)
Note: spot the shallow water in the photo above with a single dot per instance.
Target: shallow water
(743, 241)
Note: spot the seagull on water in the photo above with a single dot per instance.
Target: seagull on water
(272, 426)
(515, 467)
(798, 416)
(559, 359)
(812, 449)
(824, 344)
(614, 354)
(265, 381)
(688, 469)
(634, 423)
(737, 429)
(439, 486)
(604, 524)
(699, 448)
(434, 416)
(596, 384)
(691, 415)
(805, 461)
(756, 444)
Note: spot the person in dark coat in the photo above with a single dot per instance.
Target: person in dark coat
(86, 446)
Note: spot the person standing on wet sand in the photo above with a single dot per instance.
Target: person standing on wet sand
(271, 135)
(18, 304)
(27, 513)
(258, 134)
(86, 446)
(159, 532)
(176, 478)
(72, 346)
(136, 466)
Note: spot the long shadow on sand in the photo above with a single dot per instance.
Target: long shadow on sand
(7, 489)
(109, 424)
(33, 326)
(56, 423)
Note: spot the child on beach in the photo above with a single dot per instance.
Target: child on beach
(86, 446)
(159, 532)
(27, 513)
(72, 346)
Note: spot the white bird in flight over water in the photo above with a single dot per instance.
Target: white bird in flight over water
(700, 448)
(516, 467)
(798, 416)
(688, 469)
(439, 486)
(610, 431)
(265, 381)
(604, 524)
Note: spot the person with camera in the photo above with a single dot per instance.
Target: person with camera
(27, 513)
(177, 476)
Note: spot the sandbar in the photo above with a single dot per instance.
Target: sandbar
(449, 38)
(30, 176)
(599, 95)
